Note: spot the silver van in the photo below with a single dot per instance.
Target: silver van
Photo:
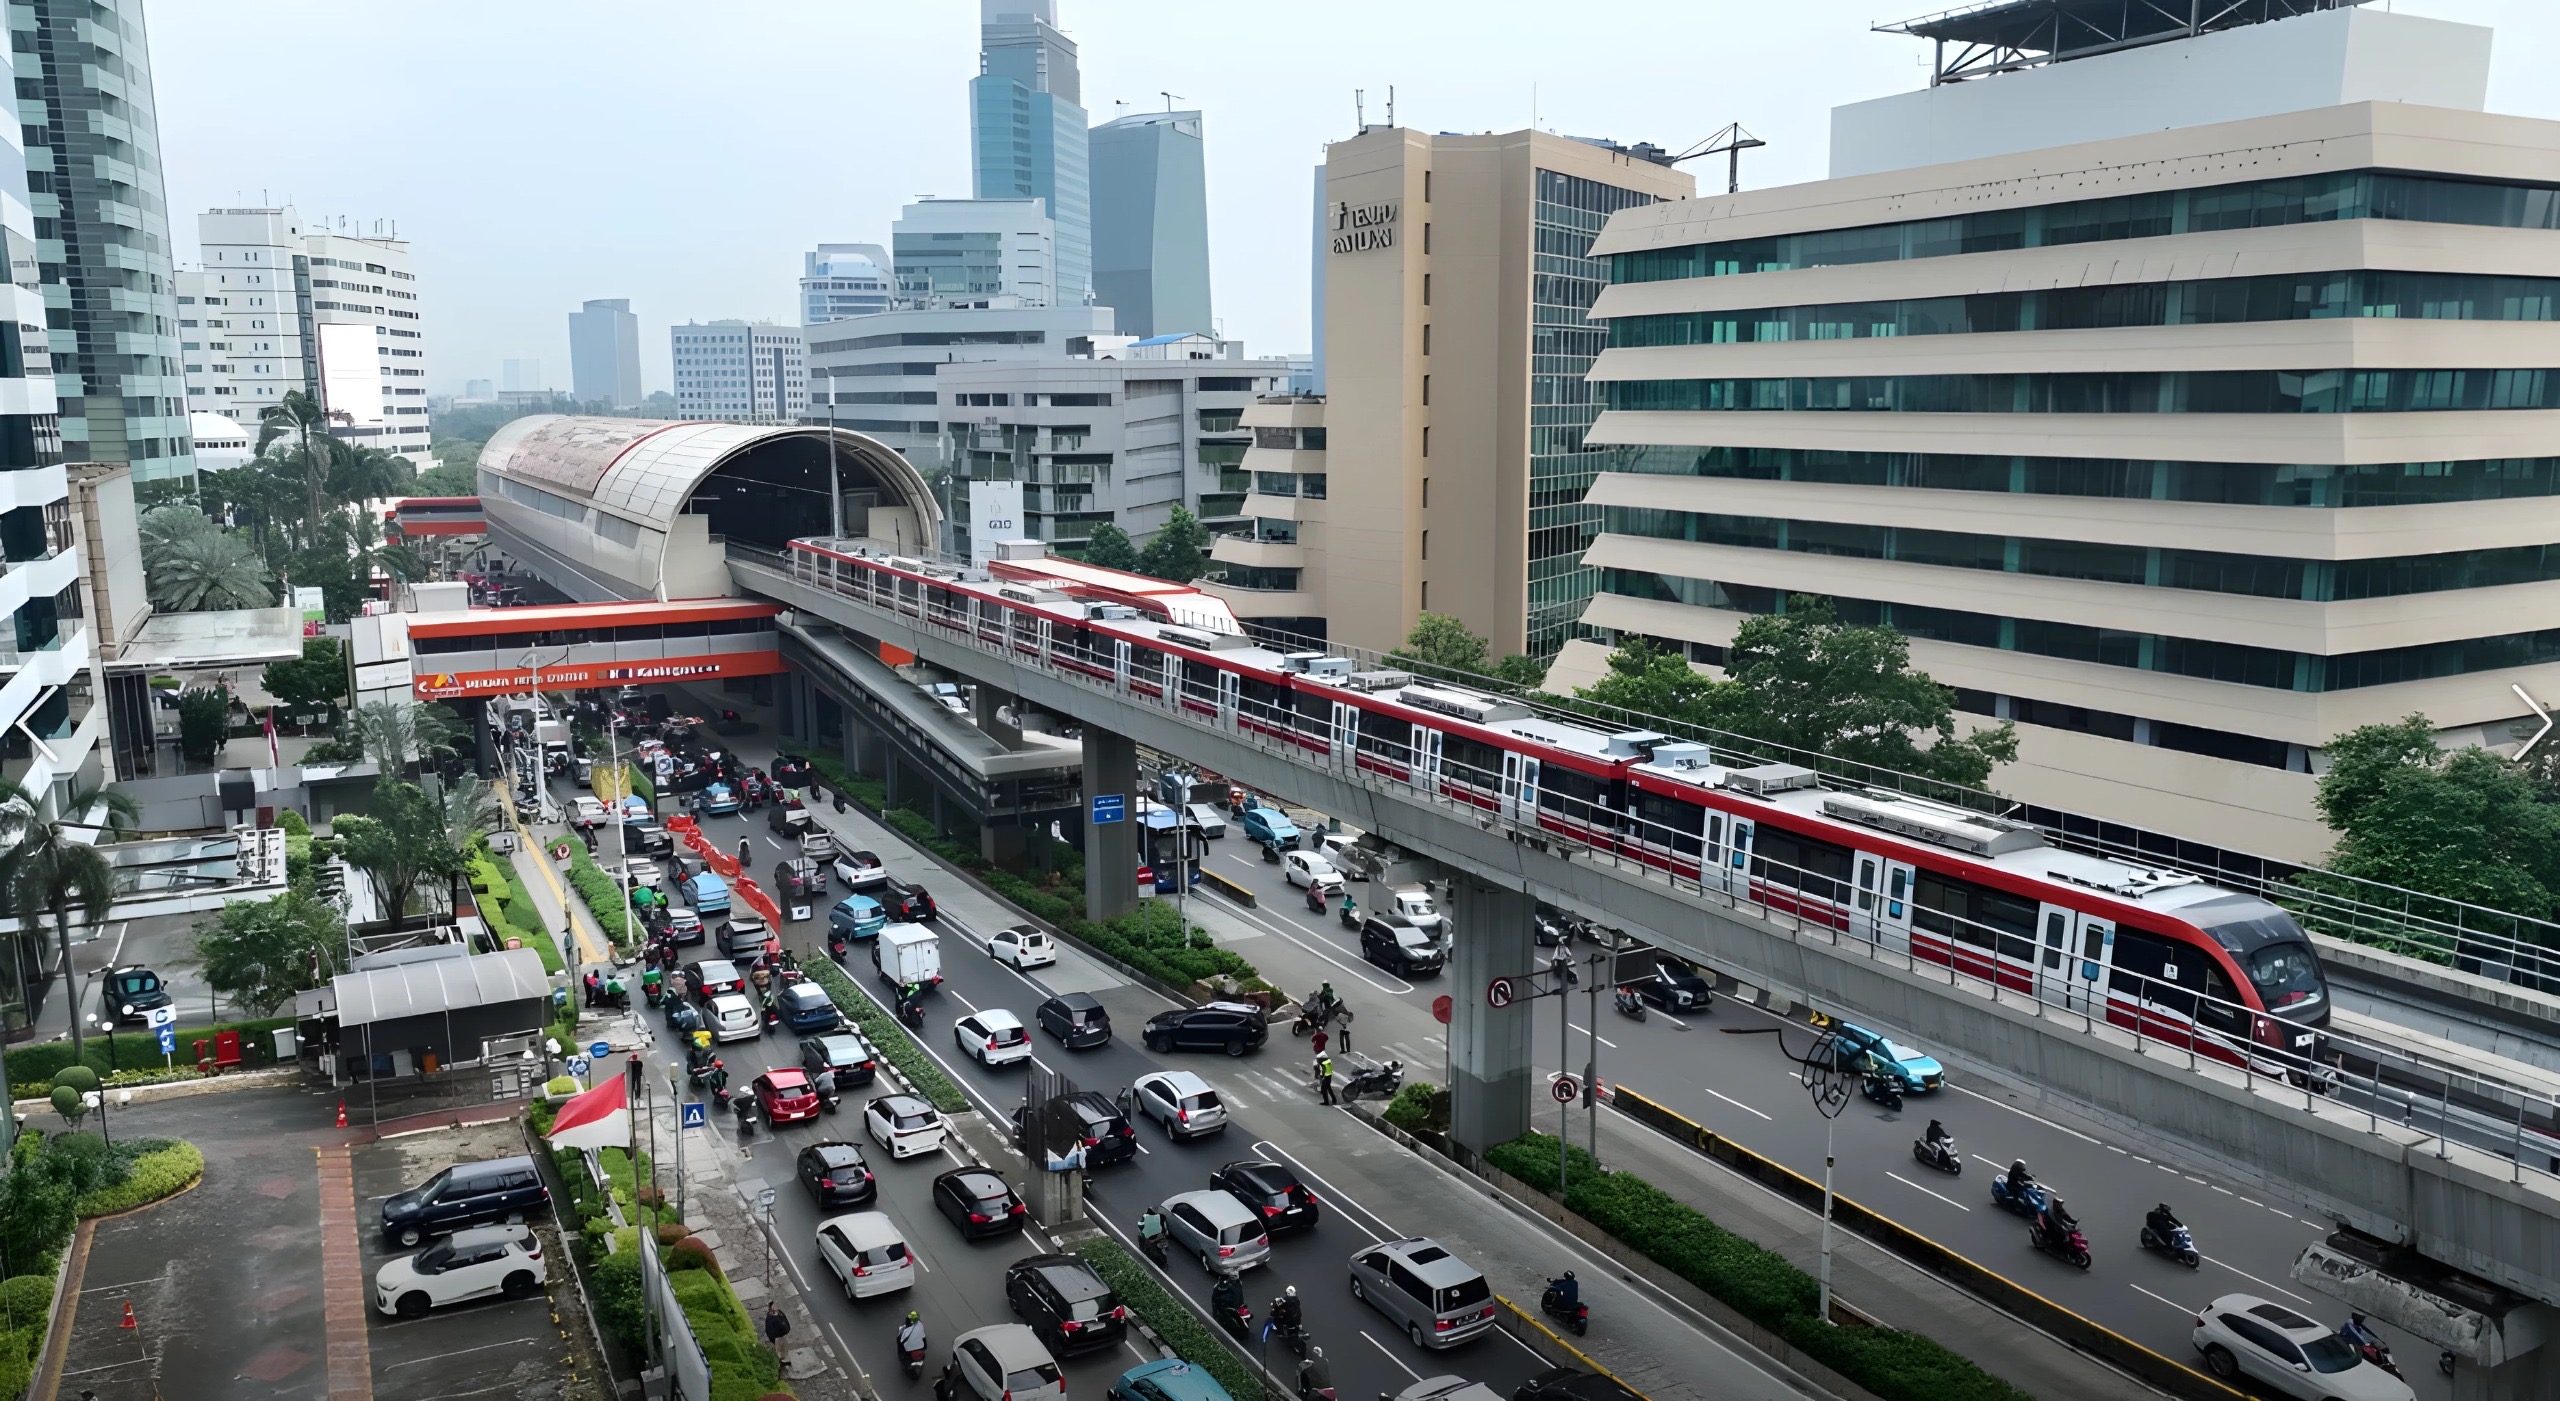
(1224, 1233)
(1440, 1300)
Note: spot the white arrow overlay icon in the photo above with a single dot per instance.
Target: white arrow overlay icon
(2539, 713)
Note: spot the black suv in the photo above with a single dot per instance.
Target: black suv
(464, 1195)
(742, 938)
(1076, 1019)
(1108, 1138)
(1066, 1303)
(1273, 1190)
(835, 1175)
(1232, 1027)
(1401, 947)
(841, 1054)
(906, 903)
(131, 994)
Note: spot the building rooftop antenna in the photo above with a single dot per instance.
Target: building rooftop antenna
(1169, 98)
(1732, 141)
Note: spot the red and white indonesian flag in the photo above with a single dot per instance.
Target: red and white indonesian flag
(599, 1118)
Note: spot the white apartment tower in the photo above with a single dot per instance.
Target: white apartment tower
(753, 370)
(279, 303)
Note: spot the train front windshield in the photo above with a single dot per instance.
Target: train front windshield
(2272, 950)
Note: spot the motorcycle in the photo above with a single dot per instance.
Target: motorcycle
(1883, 1089)
(2169, 1236)
(1271, 851)
(912, 1014)
(829, 1097)
(1381, 1080)
(1293, 1336)
(772, 1016)
(1941, 1155)
(2069, 1246)
(1240, 1322)
(836, 946)
(2026, 1201)
(1311, 1017)
(912, 1359)
(1551, 934)
(1576, 1316)
(1154, 1245)
(1315, 897)
(2369, 1344)
(1630, 1004)
(744, 1106)
(1349, 913)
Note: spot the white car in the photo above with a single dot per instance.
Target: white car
(904, 1124)
(1001, 1362)
(1022, 946)
(1217, 1229)
(867, 1253)
(2244, 1336)
(1307, 868)
(637, 872)
(860, 870)
(586, 810)
(734, 1018)
(473, 1264)
(1182, 1102)
(993, 1037)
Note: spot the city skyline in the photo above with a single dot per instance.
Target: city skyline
(472, 203)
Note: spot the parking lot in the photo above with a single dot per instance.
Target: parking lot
(488, 1347)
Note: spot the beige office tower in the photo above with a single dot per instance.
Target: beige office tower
(2229, 425)
(1444, 468)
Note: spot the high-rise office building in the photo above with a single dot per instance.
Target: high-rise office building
(93, 147)
(520, 376)
(2187, 446)
(604, 354)
(1027, 129)
(976, 252)
(841, 280)
(280, 305)
(752, 370)
(1456, 273)
(1151, 223)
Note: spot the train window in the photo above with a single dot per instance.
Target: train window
(2093, 942)
(1866, 882)
(1813, 866)
(1199, 679)
(1668, 822)
(1577, 795)
(1895, 881)
(1470, 761)
(1387, 737)
(2053, 931)
(1976, 915)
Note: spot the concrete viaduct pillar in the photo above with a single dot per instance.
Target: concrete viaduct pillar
(1111, 849)
(1489, 1099)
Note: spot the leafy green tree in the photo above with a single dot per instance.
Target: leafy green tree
(403, 844)
(206, 571)
(204, 718)
(1180, 551)
(260, 953)
(1110, 547)
(317, 678)
(361, 474)
(1651, 681)
(53, 868)
(1440, 640)
(1525, 672)
(2466, 825)
(455, 475)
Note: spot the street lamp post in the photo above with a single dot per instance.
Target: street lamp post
(1829, 1088)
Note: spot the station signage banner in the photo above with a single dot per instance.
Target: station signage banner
(995, 516)
(449, 685)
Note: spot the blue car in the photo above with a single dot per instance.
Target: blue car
(716, 800)
(1269, 824)
(1170, 1380)
(857, 917)
(806, 1009)
(708, 894)
(1856, 1048)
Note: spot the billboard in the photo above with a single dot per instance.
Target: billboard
(995, 514)
(351, 372)
(576, 676)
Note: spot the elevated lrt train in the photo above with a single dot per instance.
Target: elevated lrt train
(2162, 952)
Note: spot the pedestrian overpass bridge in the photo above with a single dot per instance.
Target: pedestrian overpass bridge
(2366, 1149)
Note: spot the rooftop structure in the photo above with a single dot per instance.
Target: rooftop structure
(1999, 36)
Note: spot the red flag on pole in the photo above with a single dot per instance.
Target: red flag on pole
(275, 756)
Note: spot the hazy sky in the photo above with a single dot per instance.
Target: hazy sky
(540, 152)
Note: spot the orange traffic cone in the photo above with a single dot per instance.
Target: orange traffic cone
(128, 1316)
(342, 1113)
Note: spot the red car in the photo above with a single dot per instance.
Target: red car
(786, 1096)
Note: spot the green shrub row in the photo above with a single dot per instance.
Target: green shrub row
(881, 1029)
(742, 1367)
(602, 898)
(1410, 1110)
(1759, 1283)
(1180, 1328)
(164, 1171)
(508, 907)
(33, 1066)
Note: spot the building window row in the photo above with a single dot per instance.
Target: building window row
(2164, 391)
(2210, 571)
(2212, 301)
(2297, 199)
(2229, 662)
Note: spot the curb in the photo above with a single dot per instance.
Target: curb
(55, 1351)
(263, 1076)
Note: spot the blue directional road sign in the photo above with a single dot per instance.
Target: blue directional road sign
(168, 1040)
(1110, 807)
(600, 1049)
(696, 1114)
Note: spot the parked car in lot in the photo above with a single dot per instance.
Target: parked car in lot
(1407, 950)
(979, 1201)
(1022, 946)
(786, 1096)
(867, 1254)
(1107, 1137)
(2247, 1339)
(1181, 1102)
(1217, 1230)
(860, 870)
(1077, 1019)
(904, 1124)
(1272, 1189)
(1000, 1362)
(835, 1175)
(1232, 1027)
(842, 1054)
(1309, 868)
(732, 1017)
(1063, 1301)
(1857, 1049)
(464, 1195)
(992, 1037)
(796, 881)
(475, 1264)
(857, 917)
(1438, 1299)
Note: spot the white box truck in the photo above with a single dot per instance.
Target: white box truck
(907, 953)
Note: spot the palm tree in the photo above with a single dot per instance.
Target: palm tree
(51, 867)
(301, 418)
(396, 733)
(469, 807)
(217, 569)
(162, 526)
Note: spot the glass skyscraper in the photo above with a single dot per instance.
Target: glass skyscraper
(102, 232)
(1027, 128)
(1151, 223)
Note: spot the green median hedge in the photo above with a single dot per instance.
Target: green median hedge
(887, 1037)
(1180, 1328)
(1757, 1282)
(602, 898)
(508, 906)
(162, 1171)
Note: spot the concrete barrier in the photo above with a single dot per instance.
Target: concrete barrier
(1238, 893)
(1980, 1281)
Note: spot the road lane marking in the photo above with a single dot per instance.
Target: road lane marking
(1914, 1186)
(1605, 1041)
(1275, 1150)
(1738, 1104)
(1391, 1357)
(2023, 1114)
(2138, 1289)
(2244, 1274)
